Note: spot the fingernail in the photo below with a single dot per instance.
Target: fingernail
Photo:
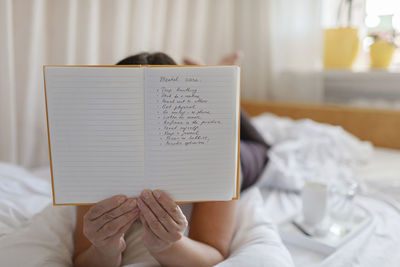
(121, 199)
(140, 203)
(132, 203)
(157, 193)
(146, 194)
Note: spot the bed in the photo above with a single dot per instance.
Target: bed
(32, 233)
(378, 175)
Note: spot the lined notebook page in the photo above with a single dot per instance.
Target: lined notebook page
(191, 131)
(96, 125)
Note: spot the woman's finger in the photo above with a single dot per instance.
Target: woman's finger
(127, 206)
(155, 225)
(169, 224)
(171, 207)
(149, 238)
(112, 227)
(120, 232)
(148, 230)
(104, 206)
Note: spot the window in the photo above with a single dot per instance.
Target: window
(363, 86)
(382, 18)
(370, 17)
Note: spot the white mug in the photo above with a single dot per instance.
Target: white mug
(314, 197)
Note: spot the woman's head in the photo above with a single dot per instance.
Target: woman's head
(157, 58)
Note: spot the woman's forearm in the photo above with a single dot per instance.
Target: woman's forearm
(94, 258)
(188, 252)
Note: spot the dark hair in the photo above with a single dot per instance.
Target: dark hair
(145, 58)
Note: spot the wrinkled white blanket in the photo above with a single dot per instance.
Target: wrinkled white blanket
(46, 240)
(21, 196)
(306, 150)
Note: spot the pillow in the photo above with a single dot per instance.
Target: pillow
(48, 239)
(22, 196)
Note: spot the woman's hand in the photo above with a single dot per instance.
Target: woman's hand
(106, 222)
(163, 220)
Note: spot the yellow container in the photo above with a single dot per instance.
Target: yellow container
(381, 53)
(340, 47)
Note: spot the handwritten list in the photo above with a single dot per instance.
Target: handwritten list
(183, 113)
(190, 109)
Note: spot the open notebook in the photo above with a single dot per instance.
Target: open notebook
(121, 129)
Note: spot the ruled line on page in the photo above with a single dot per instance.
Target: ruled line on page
(96, 119)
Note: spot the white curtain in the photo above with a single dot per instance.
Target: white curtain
(273, 34)
(296, 50)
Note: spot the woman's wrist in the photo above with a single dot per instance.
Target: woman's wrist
(96, 257)
(167, 250)
(104, 253)
(108, 256)
(187, 250)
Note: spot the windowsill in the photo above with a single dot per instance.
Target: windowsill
(368, 86)
(361, 70)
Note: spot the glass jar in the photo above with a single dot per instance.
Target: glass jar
(341, 205)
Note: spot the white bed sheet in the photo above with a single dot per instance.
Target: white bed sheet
(371, 247)
(381, 176)
(303, 150)
(23, 195)
(375, 246)
(47, 240)
(379, 180)
(379, 243)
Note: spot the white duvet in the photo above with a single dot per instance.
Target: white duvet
(305, 150)
(22, 195)
(46, 239)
